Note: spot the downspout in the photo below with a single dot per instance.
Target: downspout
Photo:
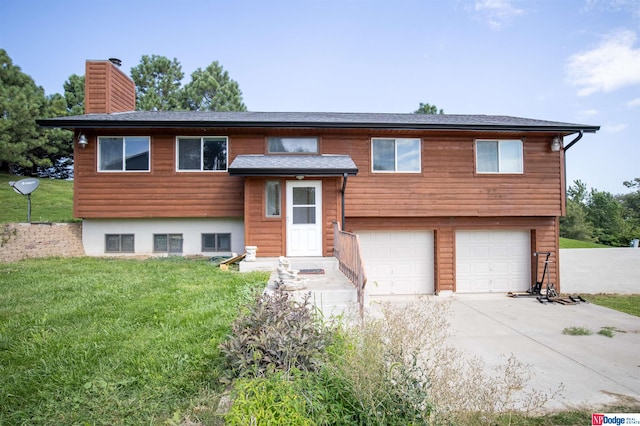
(564, 157)
(344, 187)
(580, 134)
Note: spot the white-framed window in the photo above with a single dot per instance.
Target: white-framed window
(499, 156)
(272, 198)
(123, 153)
(395, 155)
(306, 145)
(208, 153)
(119, 243)
(167, 243)
(216, 242)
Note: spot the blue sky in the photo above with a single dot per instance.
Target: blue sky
(565, 60)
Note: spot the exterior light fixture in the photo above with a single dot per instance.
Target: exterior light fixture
(82, 141)
(299, 177)
(556, 144)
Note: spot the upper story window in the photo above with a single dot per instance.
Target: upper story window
(499, 156)
(395, 155)
(202, 153)
(123, 153)
(292, 145)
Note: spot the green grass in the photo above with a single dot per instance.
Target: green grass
(628, 303)
(51, 202)
(105, 341)
(569, 243)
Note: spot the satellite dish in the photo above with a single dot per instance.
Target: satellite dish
(26, 187)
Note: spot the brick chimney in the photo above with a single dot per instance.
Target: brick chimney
(107, 89)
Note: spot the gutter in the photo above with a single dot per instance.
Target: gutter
(187, 124)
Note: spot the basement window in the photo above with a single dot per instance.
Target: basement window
(216, 242)
(119, 243)
(167, 243)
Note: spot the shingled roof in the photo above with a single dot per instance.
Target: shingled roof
(291, 165)
(194, 119)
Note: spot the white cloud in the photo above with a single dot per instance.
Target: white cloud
(634, 103)
(613, 64)
(630, 6)
(614, 128)
(497, 13)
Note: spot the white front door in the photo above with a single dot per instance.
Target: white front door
(304, 218)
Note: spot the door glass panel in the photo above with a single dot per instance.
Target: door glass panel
(304, 195)
(304, 215)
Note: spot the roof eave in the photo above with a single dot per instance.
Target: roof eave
(160, 124)
(291, 172)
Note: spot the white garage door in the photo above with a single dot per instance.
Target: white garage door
(492, 261)
(398, 262)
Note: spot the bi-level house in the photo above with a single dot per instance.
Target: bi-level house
(441, 203)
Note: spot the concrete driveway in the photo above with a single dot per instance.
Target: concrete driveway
(595, 370)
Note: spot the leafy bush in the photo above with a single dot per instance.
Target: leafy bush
(277, 333)
(268, 401)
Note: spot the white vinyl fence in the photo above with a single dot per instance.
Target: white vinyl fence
(604, 270)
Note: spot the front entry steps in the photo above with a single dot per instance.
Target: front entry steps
(331, 292)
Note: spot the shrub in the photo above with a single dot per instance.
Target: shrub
(277, 333)
(268, 400)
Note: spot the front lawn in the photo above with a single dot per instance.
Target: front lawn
(51, 202)
(566, 243)
(105, 341)
(629, 303)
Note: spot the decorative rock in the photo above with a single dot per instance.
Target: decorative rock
(288, 278)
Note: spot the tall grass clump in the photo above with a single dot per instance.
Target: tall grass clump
(434, 381)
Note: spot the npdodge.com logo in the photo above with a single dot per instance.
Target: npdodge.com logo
(600, 419)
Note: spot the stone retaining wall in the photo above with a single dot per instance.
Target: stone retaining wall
(20, 241)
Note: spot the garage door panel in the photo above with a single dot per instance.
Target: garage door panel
(398, 262)
(492, 261)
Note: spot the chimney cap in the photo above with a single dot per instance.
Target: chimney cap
(115, 61)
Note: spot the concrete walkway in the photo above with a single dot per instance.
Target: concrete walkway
(331, 292)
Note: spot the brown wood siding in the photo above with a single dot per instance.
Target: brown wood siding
(544, 231)
(162, 192)
(269, 234)
(266, 233)
(107, 89)
(448, 185)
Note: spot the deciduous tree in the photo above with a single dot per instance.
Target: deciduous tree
(428, 109)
